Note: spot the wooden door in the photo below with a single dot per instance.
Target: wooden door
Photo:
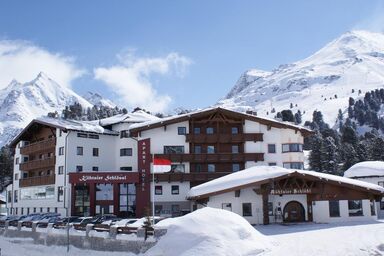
(294, 212)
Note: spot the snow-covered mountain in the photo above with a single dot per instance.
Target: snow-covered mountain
(346, 67)
(98, 100)
(20, 103)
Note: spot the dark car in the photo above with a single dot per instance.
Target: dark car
(3, 219)
(14, 221)
(62, 222)
(98, 219)
(43, 223)
(27, 222)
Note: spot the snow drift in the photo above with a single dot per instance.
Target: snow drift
(209, 231)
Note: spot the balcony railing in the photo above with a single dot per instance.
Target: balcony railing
(40, 146)
(194, 176)
(218, 157)
(38, 164)
(37, 181)
(224, 138)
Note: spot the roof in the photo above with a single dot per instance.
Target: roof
(365, 169)
(263, 174)
(134, 117)
(203, 112)
(84, 126)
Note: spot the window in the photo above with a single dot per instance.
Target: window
(209, 130)
(34, 209)
(173, 149)
(93, 136)
(226, 206)
(334, 209)
(210, 149)
(382, 205)
(79, 151)
(61, 151)
(60, 194)
(294, 165)
(235, 149)
(22, 210)
(95, 168)
(272, 164)
(126, 152)
(79, 168)
(126, 168)
(124, 134)
(197, 149)
(178, 168)
(15, 196)
(271, 148)
(211, 168)
(373, 208)
(380, 183)
(16, 176)
(82, 135)
(355, 208)
(60, 133)
(292, 147)
(235, 167)
(30, 193)
(175, 189)
(104, 192)
(175, 208)
(247, 209)
(127, 200)
(95, 151)
(181, 130)
(196, 130)
(198, 167)
(48, 209)
(17, 160)
(158, 190)
(61, 169)
(270, 208)
(9, 196)
(158, 209)
(234, 130)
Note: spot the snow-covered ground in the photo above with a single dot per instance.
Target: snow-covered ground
(218, 232)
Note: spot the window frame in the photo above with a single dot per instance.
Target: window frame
(235, 164)
(245, 213)
(61, 151)
(126, 151)
(79, 168)
(181, 130)
(209, 130)
(95, 152)
(271, 148)
(211, 165)
(335, 212)
(158, 190)
(355, 213)
(79, 151)
(175, 189)
(291, 148)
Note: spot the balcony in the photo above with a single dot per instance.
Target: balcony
(38, 164)
(213, 158)
(40, 146)
(37, 181)
(224, 138)
(192, 177)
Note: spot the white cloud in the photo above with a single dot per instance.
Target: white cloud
(23, 60)
(375, 21)
(131, 78)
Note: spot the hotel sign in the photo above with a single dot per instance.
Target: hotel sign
(291, 191)
(115, 177)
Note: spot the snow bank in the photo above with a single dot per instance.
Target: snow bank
(209, 231)
(364, 169)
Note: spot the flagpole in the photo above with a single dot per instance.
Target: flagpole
(153, 190)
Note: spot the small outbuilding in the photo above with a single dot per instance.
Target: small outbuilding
(268, 194)
(369, 171)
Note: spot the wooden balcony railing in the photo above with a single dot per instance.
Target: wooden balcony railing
(38, 164)
(218, 157)
(40, 146)
(224, 138)
(192, 177)
(37, 181)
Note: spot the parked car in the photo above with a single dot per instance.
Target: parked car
(82, 223)
(62, 222)
(98, 219)
(27, 222)
(14, 221)
(3, 219)
(43, 223)
(123, 225)
(132, 227)
(105, 225)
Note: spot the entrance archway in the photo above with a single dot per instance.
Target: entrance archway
(294, 212)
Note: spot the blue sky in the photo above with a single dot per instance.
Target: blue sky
(166, 54)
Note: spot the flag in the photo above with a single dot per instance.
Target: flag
(161, 165)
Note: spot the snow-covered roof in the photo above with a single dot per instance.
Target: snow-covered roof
(365, 169)
(135, 117)
(183, 117)
(263, 174)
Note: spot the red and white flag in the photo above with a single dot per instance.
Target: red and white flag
(161, 165)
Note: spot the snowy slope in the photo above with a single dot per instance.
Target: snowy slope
(20, 103)
(352, 62)
(98, 100)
